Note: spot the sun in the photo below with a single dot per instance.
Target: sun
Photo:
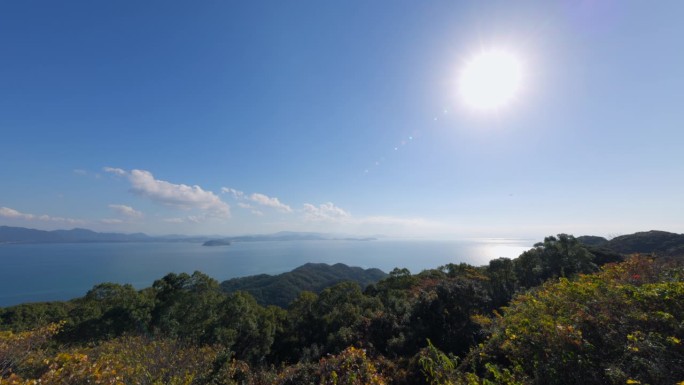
(490, 80)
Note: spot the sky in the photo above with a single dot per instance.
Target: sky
(226, 117)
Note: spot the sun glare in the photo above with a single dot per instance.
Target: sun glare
(490, 80)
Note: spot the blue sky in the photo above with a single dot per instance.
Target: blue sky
(221, 117)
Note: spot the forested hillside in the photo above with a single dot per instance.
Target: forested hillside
(659, 243)
(283, 288)
(550, 316)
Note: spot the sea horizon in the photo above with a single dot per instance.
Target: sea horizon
(62, 271)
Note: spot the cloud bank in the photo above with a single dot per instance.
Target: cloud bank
(6, 212)
(127, 211)
(270, 202)
(258, 198)
(326, 212)
(179, 196)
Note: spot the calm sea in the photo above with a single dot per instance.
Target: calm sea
(46, 272)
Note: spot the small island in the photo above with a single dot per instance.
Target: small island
(216, 242)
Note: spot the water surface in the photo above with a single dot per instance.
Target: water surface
(46, 272)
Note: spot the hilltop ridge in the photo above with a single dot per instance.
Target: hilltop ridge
(283, 288)
(661, 243)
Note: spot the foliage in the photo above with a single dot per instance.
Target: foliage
(30, 316)
(657, 242)
(326, 323)
(20, 351)
(282, 289)
(624, 323)
(108, 310)
(443, 313)
(437, 367)
(185, 305)
(350, 367)
(562, 256)
(502, 281)
(125, 360)
(441, 326)
(244, 327)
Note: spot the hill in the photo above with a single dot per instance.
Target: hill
(281, 289)
(592, 240)
(659, 242)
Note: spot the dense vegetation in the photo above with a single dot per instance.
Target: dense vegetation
(662, 243)
(550, 316)
(283, 288)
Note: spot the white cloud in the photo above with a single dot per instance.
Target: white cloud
(237, 194)
(325, 212)
(115, 171)
(127, 211)
(173, 220)
(328, 213)
(7, 212)
(251, 208)
(14, 214)
(258, 198)
(270, 202)
(194, 219)
(79, 171)
(111, 221)
(178, 196)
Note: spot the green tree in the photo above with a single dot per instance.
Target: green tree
(502, 281)
(108, 310)
(342, 313)
(186, 306)
(443, 314)
(245, 327)
(561, 256)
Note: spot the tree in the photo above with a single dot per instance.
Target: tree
(443, 314)
(186, 305)
(562, 256)
(502, 281)
(108, 310)
(245, 327)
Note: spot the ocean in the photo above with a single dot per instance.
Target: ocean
(48, 272)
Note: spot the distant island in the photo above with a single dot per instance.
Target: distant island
(216, 242)
(25, 235)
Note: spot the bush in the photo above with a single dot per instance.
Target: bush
(625, 323)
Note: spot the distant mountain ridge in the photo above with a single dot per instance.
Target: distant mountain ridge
(283, 288)
(25, 235)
